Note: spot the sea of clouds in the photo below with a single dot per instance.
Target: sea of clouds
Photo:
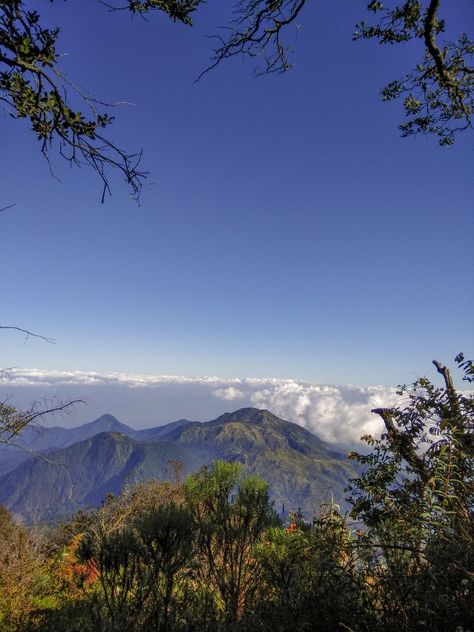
(337, 414)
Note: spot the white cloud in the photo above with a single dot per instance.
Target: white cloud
(338, 414)
(37, 377)
(229, 393)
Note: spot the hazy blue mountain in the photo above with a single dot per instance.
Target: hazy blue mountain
(81, 475)
(40, 439)
(153, 434)
(302, 470)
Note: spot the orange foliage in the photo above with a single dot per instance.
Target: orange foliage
(72, 571)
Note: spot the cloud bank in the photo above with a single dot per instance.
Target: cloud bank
(337, 414)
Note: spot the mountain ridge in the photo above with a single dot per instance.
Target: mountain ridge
(300, 468)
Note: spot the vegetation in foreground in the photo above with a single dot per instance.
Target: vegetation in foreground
(210, 554)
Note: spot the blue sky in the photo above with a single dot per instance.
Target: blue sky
(287, 230)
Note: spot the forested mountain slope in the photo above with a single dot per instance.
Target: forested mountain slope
(302, 471)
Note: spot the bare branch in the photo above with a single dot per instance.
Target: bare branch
(28, 333)
(257, 32)
(13, 422)
(29, 419)
(444, 371)
(401, 440)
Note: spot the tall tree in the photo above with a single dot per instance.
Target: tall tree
(230, 514)
(417, 499)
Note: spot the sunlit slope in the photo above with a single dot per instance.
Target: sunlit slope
(302, 471)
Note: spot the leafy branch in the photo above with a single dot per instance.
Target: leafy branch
(438, 95)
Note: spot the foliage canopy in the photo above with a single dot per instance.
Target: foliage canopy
(437, 93)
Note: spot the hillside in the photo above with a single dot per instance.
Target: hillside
(302, 471)
(81, 475)
(40, 439)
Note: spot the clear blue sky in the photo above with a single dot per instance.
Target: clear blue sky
(288, 230)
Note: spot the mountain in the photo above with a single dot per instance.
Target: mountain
(39, 439)
(302, 471)
(81, 475)
(153, 434)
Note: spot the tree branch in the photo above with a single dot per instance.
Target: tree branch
(257, 32)
(402, 442)
(13, 422)
(28, 333)
(430, 42)
(33, 88)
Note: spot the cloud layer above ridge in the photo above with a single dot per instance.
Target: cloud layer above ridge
(337, 414)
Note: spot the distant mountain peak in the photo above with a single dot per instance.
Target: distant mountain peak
(246, 414)
(107, 423)
(107, 417)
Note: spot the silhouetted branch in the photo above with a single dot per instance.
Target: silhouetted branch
(28, 333)
(13, 421)
(257, 32)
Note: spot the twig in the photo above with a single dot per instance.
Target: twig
(28, 334)
(5, 208)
